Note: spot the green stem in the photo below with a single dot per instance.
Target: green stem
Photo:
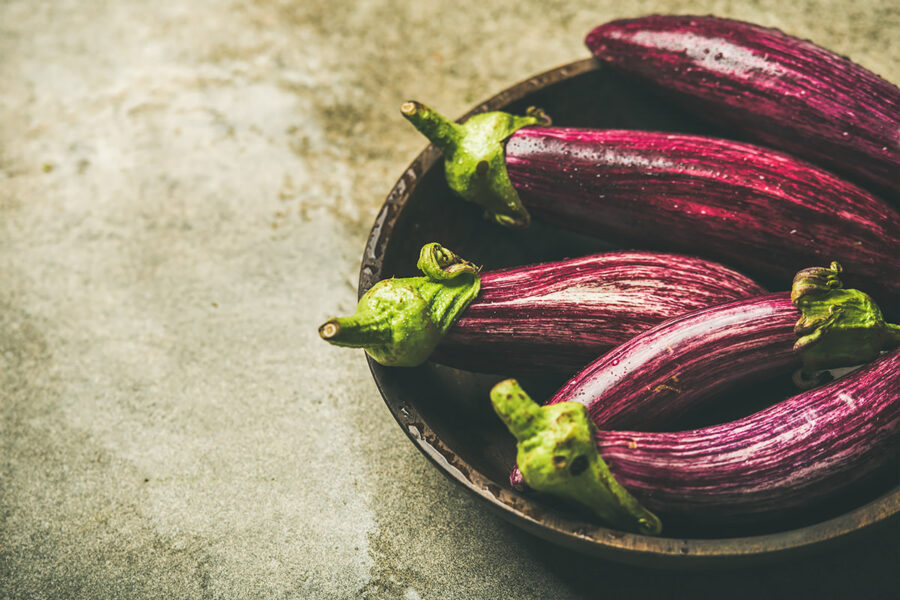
(838, 327)
(816, 280)
(557, 453)
(474, 156)
(400, 321)
(355, 332)
(517, 410)
(441, 264)
(440, 131)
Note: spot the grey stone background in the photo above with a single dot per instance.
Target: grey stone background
(185, 191)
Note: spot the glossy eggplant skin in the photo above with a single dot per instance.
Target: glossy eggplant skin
(760, 211)
(786, 92)
(685, 361)
(788, 455)
(663, 373)
(558, 317)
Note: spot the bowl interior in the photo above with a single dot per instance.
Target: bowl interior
(447, 411)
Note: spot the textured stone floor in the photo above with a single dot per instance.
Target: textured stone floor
(185, 191)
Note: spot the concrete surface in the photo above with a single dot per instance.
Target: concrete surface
(185, 191)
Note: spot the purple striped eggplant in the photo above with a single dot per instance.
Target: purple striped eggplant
(784, 91)
(678, 365)
(763, 212)
(554, 317)
(788, 455)
(794, 453)
(560, 316)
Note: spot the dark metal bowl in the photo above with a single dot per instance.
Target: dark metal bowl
(446, 412)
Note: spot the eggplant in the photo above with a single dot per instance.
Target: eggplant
(778, 89)
(791, 454)
(552, 317)
(678, 365)
(794, 453)
(757, 210)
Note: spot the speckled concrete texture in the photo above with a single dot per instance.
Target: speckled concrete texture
(185, 192)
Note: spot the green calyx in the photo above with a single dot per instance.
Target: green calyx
(839, 327)
(557, 454)
(474, 156)
(399, 321)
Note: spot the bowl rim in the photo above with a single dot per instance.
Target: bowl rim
(518, 508)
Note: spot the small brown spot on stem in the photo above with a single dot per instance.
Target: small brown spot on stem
(579, 465)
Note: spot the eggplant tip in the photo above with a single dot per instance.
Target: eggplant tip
(329, 330)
